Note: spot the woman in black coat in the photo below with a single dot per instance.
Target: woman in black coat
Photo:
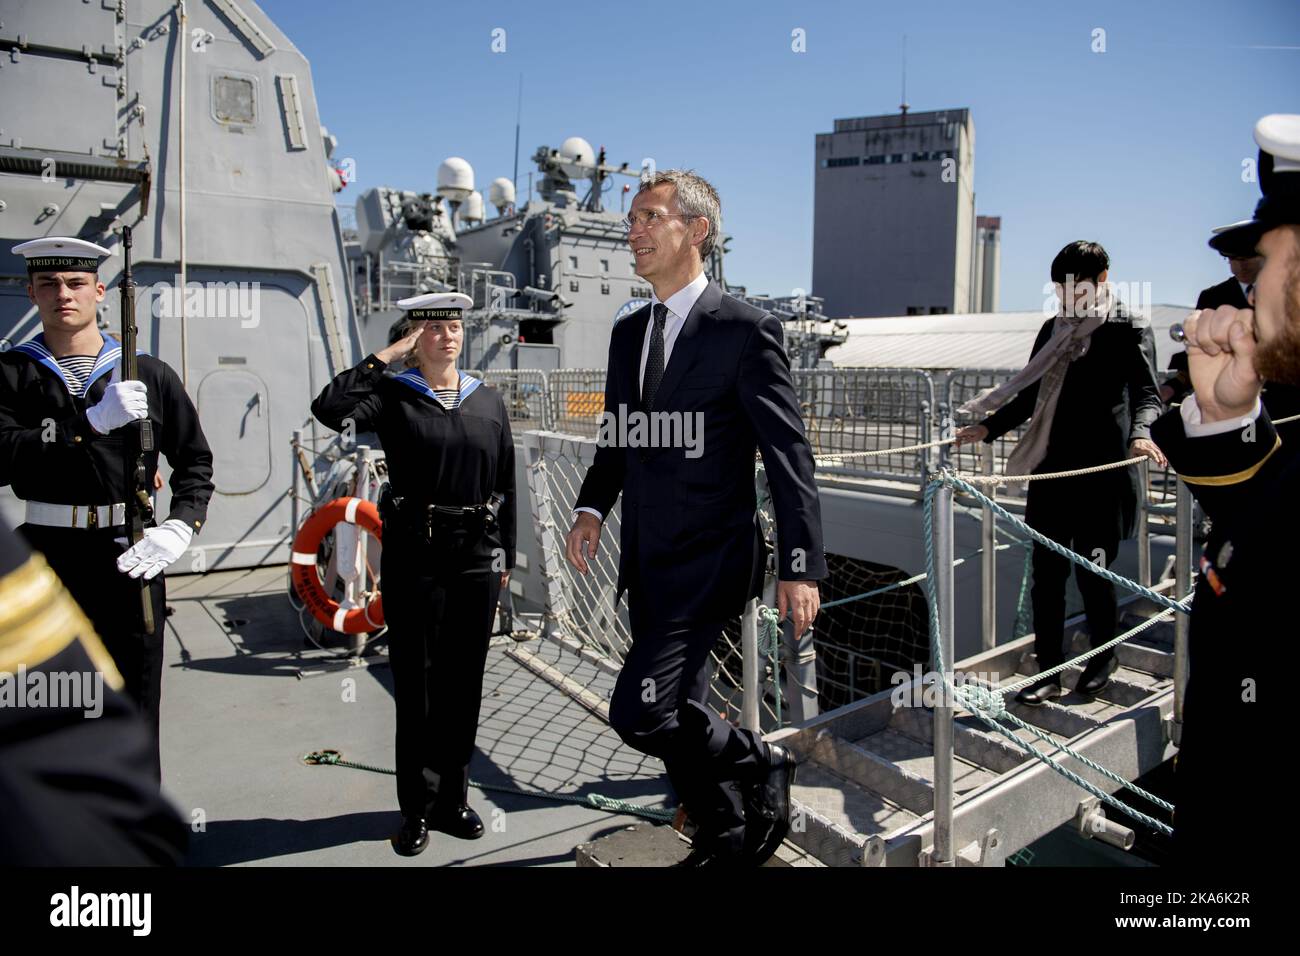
(448, 547)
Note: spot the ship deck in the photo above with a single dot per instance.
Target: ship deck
(245, 696)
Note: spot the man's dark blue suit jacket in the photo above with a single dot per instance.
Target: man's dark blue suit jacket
(691, 548)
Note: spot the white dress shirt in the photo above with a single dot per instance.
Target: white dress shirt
(1194, 427)
(679, 305)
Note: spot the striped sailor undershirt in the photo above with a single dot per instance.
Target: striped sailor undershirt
(76, 369)
(449, 397)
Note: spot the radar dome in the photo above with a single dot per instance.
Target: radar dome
(472, 211)
(455, 179)
(577, 157)
(501, 193)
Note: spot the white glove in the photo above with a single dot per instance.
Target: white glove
(158, 548)
(123, 402)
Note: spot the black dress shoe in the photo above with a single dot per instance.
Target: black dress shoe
(1035, 695)
(412, 838)
(1096, 675)
(459, 821)
(767, 807)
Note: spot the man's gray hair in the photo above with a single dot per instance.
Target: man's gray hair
(696, 197)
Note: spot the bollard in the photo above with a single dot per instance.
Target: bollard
(989, 559)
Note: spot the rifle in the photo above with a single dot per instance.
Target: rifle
(138, 439)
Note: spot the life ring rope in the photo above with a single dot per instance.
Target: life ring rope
(306, 543)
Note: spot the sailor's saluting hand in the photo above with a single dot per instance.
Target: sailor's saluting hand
(1220, 358)
(121, 404)
(402, 347)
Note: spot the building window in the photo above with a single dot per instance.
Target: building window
(573, 285)
(938, 310)
(895, 157)
(843, 161)
(874, 160)
(604, 265)
(573, 262)
(604, 288)
(915, 310)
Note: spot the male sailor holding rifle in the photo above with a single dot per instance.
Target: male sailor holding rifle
(64, 413)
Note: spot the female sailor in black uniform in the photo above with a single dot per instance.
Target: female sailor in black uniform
(449, 545)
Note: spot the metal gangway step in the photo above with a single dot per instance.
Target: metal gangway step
(864, 793)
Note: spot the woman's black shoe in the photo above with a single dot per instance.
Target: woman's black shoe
(412, 838)
(460, 822)
(1096, 675)
(1036, 695)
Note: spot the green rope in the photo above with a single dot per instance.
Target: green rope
(769, 643)
(986, 703)
(595, 801)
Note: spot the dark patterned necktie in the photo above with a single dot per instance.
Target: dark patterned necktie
(654, 363)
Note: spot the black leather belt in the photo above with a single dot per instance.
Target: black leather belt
(429, 519)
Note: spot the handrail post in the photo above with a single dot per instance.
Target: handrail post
(989, 562)
(1182, 584)
(749, 666)
(1143, 514)
(943, 711)
(295, 444)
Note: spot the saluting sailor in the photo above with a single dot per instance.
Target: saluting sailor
(449, 545)
(62, 410)
(1222, 443)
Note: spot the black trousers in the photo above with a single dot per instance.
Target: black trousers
(1084, 515)
(86, 562)
(660, 707)
(440, 598)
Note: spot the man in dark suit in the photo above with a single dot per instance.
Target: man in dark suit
(1236, 243)
(1244, 265)
(1106, 402)
(692, 553)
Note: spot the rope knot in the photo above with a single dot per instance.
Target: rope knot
(982, 701)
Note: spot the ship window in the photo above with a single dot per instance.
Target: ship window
(233, 100)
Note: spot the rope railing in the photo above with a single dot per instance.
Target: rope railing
(988, 704)
(901, 449)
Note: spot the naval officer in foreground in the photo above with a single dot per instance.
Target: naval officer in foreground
(1222, 443)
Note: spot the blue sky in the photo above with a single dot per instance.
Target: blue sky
(1139, 147)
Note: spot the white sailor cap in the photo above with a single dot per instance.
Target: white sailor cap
(61, 254)
(436, 305)
(1278, 136)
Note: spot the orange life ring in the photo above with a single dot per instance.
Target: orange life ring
(306, 581)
